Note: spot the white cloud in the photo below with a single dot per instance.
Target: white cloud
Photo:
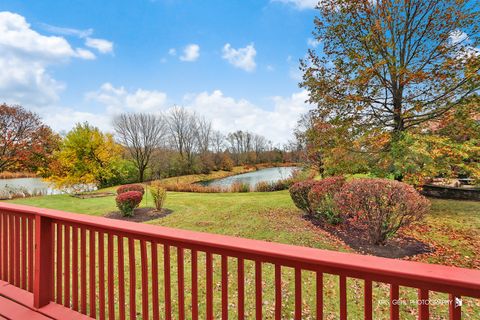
(313, 42)
(300, 4)
(118, 99)
(68, 31)
(85, 54)
(228, 114)
(172, 51)
(458, 36)
(101, 45)
(64, 119)
(25, 56)
(243, 58)
(190, 53)
(464, 49)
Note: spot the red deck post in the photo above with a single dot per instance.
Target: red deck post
(42, 286)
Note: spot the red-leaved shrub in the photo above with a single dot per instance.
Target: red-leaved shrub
(299, 194)
(321, 199)
(128, 201)
(380, 206)
(131, 187)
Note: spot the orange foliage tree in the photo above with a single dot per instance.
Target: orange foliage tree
(25, 142)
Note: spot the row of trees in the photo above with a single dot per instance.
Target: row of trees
(143, 146)
(181, 142)
(395, 89)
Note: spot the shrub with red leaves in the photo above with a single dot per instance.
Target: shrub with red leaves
(131, 187)
(380, 206)
(299, 194)
(128, 201)
(321, 199)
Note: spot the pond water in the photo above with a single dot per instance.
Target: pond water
(252, 178)
(30, 185)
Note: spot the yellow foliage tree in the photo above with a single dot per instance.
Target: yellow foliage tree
(86, 156)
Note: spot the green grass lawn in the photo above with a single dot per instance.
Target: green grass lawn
(452, 226)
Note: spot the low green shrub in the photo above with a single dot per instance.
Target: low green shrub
(380, 206)
(128, 201)
(159, 194)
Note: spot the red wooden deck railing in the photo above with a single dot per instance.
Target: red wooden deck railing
(82, 262)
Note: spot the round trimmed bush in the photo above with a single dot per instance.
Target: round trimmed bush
(131, 187)
(128, 201)
(380, 206)
(299, 194)
(321, 199)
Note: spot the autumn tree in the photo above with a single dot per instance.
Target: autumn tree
(86, 156)
(387, 68)
(184, 137)
(25, 142)
(141, 134)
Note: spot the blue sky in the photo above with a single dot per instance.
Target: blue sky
(235, 62)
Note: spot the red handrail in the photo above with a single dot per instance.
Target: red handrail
(426, 277)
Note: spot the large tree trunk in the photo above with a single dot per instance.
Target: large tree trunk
(141, 174)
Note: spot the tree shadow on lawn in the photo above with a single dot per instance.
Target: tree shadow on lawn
(140, 214)
(400, 246)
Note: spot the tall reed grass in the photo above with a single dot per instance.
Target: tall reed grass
(16, 175)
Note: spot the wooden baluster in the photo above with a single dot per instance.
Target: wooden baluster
(5, 247)
(31, 256)
(133, 281)
(66, 275)
(454, 308)
(343, 298)
(298, 294)
(166, 276)
(241, 288)
(367, 298)
(83, 270)
(156, 314)
(144, 265)
(278, 292)
(17, 251)
(181, 284)
(258, 290)
(111, 283)
(75, 268)
(224, 288)
(24, 252)
(11, 248)
(209, 284)
(394, 307)
(101, 275)
(91, 274)
(423, 309)
(194, 285)
(319, 284)
(121, 278)
(59, 271)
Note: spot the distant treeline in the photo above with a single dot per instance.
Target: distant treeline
(142, 147)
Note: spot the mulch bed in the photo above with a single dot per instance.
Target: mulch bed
(140, 214)
(93, 195)
(400, 246)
